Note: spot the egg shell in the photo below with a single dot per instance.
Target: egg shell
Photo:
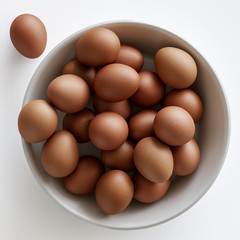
(175, 67)
(124, 108)
(186, 158)
(141, 124)
(97, 47)
(108, 130)
(153, 159)
(69, 93)
(60, 154)
(114, 192)
(151, 90)
(78, 123)
(174, 126)
(85, 72)
(186, 99)
(84, 178)
(120, 158)
(116, 82)
(146, 191)
(130, 56)
(37, 121)
(28, 35)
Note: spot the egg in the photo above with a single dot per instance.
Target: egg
(37, 121)
(78, 123)
(60, 154)
(146, 191)
(108, 130)
(124, 108)
(186, 158)
(175, 67)
(114, 192)
(97, 47)
(153, 159)
(151, 90)
(85, 72)
(141, 124)
(120, 158)
(28, 35)
(186, 99)
(84, 178)
(69, 93)
(174, 126)
(130, 56)
(116, 82)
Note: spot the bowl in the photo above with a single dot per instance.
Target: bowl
(212, 132)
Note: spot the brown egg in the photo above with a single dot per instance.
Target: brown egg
(151, 90)
(141, 124)
(116, 82)
(114, 192)
(186, 158)
(174, 126)
(60, 154)
(146, 191)
(37, 121)
(84, 178)
(186, 99)
(153, 159)
(108, 130)
(97, 47)
(120, 158)
(175, 67)
(69, 93)
(78, 123)
(124, 108)
(130, 56)
(85, 72)
(28, 35)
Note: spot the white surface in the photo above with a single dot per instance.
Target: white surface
(212, 27)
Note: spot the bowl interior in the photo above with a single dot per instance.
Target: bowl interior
(212, 134)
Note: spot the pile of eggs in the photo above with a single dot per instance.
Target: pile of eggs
(140, 151)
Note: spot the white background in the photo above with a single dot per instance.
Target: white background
(212, 27)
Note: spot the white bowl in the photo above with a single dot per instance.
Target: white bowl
(213, 132)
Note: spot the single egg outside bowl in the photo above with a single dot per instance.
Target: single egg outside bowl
(212, 135)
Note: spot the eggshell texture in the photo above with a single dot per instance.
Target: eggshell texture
(151, 90)
(28, 35)
(141, 124)
(124, 108)
(153, 159)
(78, 123)
(146, 191)
(175, 67)
(108, 130)
(186, 99)
(174, 126)
(130, 56)
(69, 93)
(60, 154)
(116, 82)
(120, 158)
(84, 178)
(85, 72)
(186, 158)
(37, 121)
(97, 47)
(114, 192)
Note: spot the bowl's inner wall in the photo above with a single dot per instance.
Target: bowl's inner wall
(212, 132)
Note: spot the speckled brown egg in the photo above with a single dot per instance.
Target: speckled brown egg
(97, 47)
(174, 126)
(114, 192)
(37, 121)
